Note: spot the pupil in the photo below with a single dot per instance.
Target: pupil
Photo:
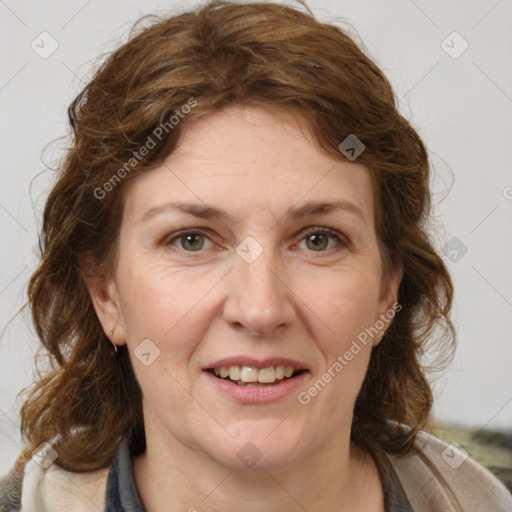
(317, 237)
(193, 244)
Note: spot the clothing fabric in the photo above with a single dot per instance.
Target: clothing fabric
(415, 485)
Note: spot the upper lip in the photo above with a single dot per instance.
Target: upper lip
(257, 363)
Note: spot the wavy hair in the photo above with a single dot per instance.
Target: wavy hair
(224, 53)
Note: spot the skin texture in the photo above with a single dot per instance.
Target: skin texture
(296, 300)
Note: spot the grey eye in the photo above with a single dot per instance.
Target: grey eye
(318, 241)
(192, 242)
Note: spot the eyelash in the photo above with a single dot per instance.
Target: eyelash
(337, 236)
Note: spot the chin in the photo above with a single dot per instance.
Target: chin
(263, 447)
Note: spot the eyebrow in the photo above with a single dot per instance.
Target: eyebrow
(203, 211)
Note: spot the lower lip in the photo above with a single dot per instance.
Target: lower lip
(258, 394)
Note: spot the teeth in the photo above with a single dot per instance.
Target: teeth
(267, 375)
(234, 372)
(250, 374)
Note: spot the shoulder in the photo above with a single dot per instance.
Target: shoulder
(52, 489)
(437, 476)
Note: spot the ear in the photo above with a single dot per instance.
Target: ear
(105, 299)
(388, 302)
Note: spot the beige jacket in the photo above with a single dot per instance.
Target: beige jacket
(472, 488)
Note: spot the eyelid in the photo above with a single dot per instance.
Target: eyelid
(338, 236)
(333, 233)
(170, 239)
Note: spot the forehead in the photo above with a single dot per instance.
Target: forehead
(249, 161)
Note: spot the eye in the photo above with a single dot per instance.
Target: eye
(317, 239)
(190, 241)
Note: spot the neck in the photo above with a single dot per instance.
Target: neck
(173, 476)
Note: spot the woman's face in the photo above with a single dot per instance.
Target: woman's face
(265, 283)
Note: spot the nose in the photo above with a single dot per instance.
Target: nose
(259, 300)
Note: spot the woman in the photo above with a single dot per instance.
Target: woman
(237, 284)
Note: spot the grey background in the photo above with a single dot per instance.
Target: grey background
(462, 107)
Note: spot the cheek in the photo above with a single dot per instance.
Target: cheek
(156, 300)
(161, 306)
(344, 303)
(166, 307)
(347, 309)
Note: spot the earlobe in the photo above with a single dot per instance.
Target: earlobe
(389, 295)
(103, 293)
(389, 305)
(106, 305)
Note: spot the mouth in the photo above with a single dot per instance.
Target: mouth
(252, 376)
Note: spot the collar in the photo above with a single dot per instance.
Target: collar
(122, 493)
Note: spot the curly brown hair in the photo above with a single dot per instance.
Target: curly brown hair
(221, 54)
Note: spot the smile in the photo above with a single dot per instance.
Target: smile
(252, 376)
